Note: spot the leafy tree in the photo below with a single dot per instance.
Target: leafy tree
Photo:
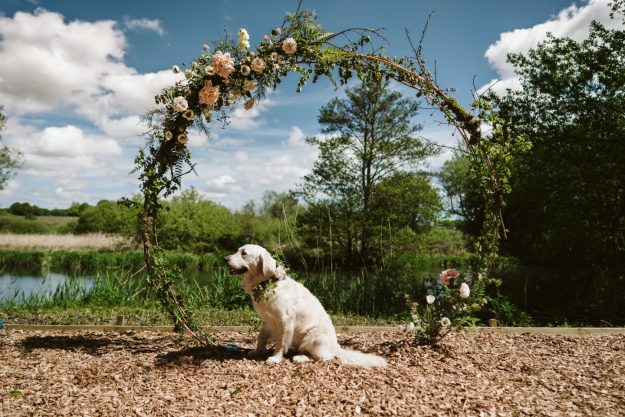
(369, 136)
(189, 222)
(278, 205)
(107, 217)
(9, 158)
(462, 197)
(405, 199)
(567, 207)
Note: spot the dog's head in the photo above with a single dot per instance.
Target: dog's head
(254, 263)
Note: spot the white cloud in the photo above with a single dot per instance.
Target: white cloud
(44, 61)
(73, 195)
(296, 137)
(70, 141)
(61, 152)
(145, 24)
(573, 22)
(224, 184)
(47, 63)
(10, 187)
(245, 120)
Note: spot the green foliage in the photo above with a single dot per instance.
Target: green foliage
(10, 223)
(189, 222)
(91, 262)
(108, 217)
(360, 164)
(566, 211)
(506, 312)
(10, 159)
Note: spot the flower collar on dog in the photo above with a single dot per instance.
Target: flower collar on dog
(263, 291)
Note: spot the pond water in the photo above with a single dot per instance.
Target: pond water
(17, 285)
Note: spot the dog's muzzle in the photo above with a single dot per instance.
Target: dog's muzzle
(232, 269)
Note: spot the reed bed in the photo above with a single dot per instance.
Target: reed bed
(96, 241)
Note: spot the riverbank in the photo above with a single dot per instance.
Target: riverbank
(154, 316)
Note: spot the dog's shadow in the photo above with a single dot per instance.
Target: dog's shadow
(199, 354)
(95, 345)
(166, 349)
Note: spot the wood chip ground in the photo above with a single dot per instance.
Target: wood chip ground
(147, 374)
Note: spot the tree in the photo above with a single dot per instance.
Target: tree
(369, 136)
(9, 158)
(462, 195)
(567, 207)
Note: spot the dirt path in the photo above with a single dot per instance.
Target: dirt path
(145, 374)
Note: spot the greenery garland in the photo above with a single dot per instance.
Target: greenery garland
(216, 83)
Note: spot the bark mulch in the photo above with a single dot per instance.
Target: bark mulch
(145, 374)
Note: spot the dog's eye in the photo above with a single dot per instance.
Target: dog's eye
(243, 252)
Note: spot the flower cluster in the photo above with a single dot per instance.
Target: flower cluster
(219, 79)
(447, 306)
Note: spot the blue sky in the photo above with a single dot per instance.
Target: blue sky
(75, 76)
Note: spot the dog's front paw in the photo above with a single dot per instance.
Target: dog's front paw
(274, 359)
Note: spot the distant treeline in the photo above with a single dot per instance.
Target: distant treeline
(30, 210)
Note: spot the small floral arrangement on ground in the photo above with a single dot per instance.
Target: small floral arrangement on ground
(447, 305)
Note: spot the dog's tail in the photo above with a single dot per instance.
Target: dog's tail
(364, 360)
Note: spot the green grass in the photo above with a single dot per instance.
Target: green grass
(10, 223)
(154, 316)
(77, 262)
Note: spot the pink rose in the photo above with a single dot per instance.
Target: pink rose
(209, 94)
(223, 64)
(447, 275)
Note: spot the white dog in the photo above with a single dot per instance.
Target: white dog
(291, 315)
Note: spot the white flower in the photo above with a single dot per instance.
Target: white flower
(274, 56)
(445, 322)
(258, 65)
(175, 69)
(168, 135)
(430, 299)
(249, 85)
(182, 138)
(266, 38)
(289, 46)
(180, 104)
(245, 70)
(206, 47)
(410, 327)
(244, 38)
(188, 74)
(188, 114)
(465, 291)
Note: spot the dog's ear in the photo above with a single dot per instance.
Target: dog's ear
(267, 264)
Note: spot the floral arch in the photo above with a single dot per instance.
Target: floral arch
(234, 75)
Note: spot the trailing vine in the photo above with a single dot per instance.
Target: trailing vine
(216, 83)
